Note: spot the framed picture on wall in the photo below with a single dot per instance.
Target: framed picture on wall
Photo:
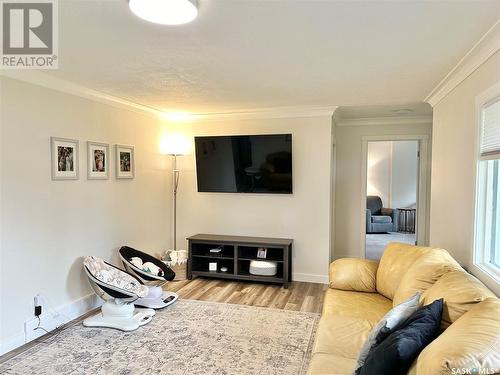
(64, 158)
(97, 161)
(125, 161)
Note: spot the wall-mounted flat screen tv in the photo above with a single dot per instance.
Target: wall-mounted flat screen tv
(244, 163)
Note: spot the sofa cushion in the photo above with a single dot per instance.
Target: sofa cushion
(341, 335)
(387, 324)
(460, 291)
(396, 353)
(381, 219)
(353, 274)
(330, 364)
(473, 341)
(396, 260)
(367, 306)
(423, 273)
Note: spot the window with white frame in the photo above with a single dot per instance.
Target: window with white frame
(487, 236)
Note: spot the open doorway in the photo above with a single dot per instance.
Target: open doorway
(392, 192)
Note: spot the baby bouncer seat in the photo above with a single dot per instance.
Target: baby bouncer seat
(119, 290)
(153, 273)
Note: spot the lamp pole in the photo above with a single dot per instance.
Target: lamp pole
(175, 177)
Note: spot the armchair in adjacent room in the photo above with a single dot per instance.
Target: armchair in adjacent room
(378, 218)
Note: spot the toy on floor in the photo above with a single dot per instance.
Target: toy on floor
(120, 290)
(153, 273)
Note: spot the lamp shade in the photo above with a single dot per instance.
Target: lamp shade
(175, 144)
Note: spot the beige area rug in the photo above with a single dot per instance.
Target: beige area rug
(188, 338)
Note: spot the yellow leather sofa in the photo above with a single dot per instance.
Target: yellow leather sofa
(362, 291)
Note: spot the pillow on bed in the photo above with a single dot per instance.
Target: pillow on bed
(395, 354)
(387, 324)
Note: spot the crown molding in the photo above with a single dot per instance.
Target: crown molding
(45, 80)
(270, 113)
(393, 120)
(486, 47)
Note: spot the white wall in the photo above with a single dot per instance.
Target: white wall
(303, 216)
(404, 176)
(454, 160)
(392, 172)
(49, 225)
(379, 171)
(348, 185)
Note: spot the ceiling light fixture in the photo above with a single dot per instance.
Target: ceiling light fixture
(165, 12)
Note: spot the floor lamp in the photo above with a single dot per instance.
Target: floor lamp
(175, 187)
(175, 146)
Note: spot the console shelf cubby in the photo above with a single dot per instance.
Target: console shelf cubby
(236, 254)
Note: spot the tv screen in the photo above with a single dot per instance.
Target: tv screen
(244, 163)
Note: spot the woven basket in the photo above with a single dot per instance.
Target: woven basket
(180, 271)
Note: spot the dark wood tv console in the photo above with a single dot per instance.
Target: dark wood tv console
(236, 254)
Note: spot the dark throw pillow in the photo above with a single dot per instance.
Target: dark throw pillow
(388, 324)
(395, 354)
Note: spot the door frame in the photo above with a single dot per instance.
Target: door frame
(422, 188)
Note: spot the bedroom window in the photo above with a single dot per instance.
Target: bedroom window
(487, 236)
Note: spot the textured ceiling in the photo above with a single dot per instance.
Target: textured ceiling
(248, 54)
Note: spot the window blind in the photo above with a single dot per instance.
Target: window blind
(490, 130)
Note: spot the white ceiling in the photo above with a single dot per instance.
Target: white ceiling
(251, 54)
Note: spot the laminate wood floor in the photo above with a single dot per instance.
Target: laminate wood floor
(299, 296)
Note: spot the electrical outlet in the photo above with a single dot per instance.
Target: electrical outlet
(38, 300)
(45, 317)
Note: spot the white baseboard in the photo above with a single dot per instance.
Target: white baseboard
(310, 278)
(12, 343)
(50, 320)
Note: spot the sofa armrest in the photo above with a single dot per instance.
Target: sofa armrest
(368, 221)
(395, 220)
(354, 274)
(394, 214)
